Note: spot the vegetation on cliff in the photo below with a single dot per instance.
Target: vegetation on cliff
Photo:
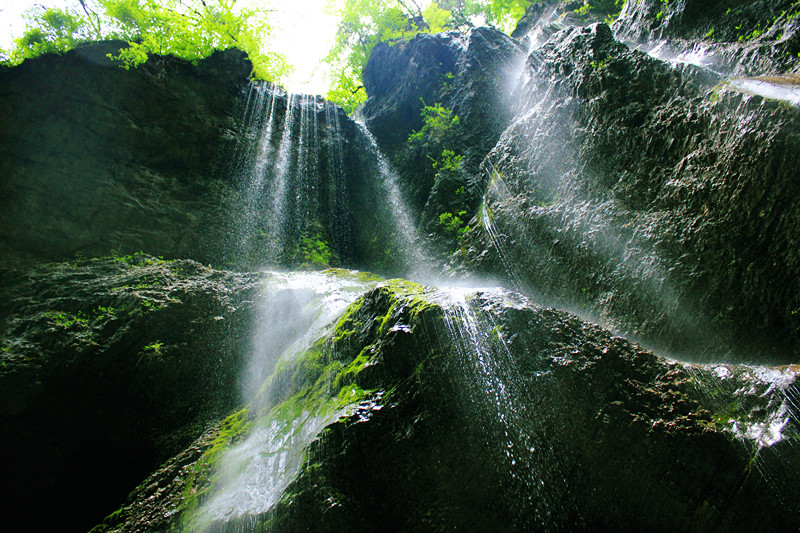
(189, 29)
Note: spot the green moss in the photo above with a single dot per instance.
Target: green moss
(355, 275)
(319, 384)
(202, 476)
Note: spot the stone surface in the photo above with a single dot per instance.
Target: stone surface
(95, 158)
(110, 366)
(740, 37)
(470, 74)
(543, 422)
(648, 197)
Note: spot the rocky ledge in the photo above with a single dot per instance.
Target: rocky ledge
(427, 409)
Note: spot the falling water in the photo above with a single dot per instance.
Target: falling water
(498, 392)
(410, 244)
(275, 223)
(292, 179)
(295, 309)
(498, 187)
(784, 88)
(338, 200)
(255, 157)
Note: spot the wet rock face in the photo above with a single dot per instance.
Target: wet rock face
(742, 37)
(109, 367)
(468, 72)
(642, 193)
(96, 158)
(481, 408)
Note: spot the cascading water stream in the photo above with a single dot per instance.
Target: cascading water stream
(276, 224)
(497, 187)
(338, 197)
(295, 308)
(409, 243)
(497, 391)
(257, 154)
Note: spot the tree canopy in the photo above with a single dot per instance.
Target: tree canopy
(189, 29)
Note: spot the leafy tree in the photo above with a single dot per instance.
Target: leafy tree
(51, 30)
(363, 24)
(189, 29)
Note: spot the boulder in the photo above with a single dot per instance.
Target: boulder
(427, 409)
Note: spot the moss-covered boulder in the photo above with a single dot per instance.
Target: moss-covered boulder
(427, 409)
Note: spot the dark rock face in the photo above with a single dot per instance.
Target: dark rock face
(95, 158)
(168, 159)
(601, 179)
(471, 75)
(634, 190)
(548, 423)
(108, 368)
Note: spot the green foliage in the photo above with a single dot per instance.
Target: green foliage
(439, 132)
(752, 35)
(313, 251)
(67, 320)
(154, 348)
(453, 225)
(364, 23)
(449, 161)
(608, 8)
(189, 29)
(439, 125)
(51, 30)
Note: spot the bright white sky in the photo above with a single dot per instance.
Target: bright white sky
(302, 30)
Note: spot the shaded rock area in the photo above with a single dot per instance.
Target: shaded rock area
(738, 36)
(95, 158)
(470, 74)
(181, 161)
(548, 423)
(655, 198)
(109, 367)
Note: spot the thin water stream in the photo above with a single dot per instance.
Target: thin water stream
(409, 245)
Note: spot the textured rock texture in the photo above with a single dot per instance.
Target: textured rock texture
(648, 195)
(639, 192)
(109, 367)
(95, 158)
(182, 160)
(547, 423)
(470, 74)
(740, 36)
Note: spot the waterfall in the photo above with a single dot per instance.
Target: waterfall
(297, 169)
(293, 205)
(408, 243)
(294, 310)
(253, 160)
